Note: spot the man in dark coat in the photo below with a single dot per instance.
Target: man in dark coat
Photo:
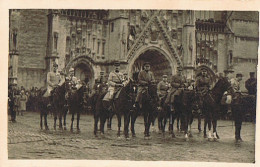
(251, 84)
(178, 82)
(145, 77)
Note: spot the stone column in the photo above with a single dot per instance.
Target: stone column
(222, 53)
(53, 36)
(188, 42)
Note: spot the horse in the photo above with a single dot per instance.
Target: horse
(183, 106)
(43, 107)
(210, 105)
(75, 102)
(149, 104)
(59, 108)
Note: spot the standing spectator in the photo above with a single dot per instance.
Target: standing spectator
(11, 103)
(251, 84)
(16, 101)
(22, 102)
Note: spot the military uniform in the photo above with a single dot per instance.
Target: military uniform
(115, 79)
(237, 111)
(202, 85)
(251, 86)
(53, 79)
(144, 78)
(162, 90)
(177, 81)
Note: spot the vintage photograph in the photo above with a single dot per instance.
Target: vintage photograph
(133, 84)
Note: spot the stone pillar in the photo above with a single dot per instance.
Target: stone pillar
(188, 42)
(53, 36)
(14, 27)
(222, 53)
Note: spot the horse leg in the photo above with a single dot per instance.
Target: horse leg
(72, 119)
(60, 121)
(178, 123)
(173, 117)
(55, 119)
(199, 123)
(209, 127)
(133, 119)
(95, 125)
(45, 122)
(150, 119)
(64, 120)
(78, 118)
(205, 127)
(119, 124)
(41, 115)
(145, 124)
(102, 124)
(126, 124)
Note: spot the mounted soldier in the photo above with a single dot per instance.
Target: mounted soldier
(202, 84)
(162, 89)
(53, 80)
(115, 82)
(178, 82)
(145, 78)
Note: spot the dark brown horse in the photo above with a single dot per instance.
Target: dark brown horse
(149, 104)
(211, 103)
(59, 109)
(75, 102)
(42, 106)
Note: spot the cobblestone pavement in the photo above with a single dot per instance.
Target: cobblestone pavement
(27, 141)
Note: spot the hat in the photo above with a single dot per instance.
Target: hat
(71, 69)
(239, 75)
(179, 68)
(102, 73)
(55, 64)
(252, 73)
(116, 63)
(164, 76)
(146, 63)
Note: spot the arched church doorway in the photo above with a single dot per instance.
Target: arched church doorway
(160, 65)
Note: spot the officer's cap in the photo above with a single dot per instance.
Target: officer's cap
(179, 68)
(55, 64)
(239, 75)
(146, 63)
(71, 69)
(116, 63)
(252, 73)
(164, 76)
(102, 73)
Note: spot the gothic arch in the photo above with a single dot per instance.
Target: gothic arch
(83, 61)
(172, 62)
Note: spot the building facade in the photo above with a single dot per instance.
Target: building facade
(92, 40)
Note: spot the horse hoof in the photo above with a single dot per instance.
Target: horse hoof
(190, 135)
(127, 138)
(173, 135)
(65, 128)
(133, 135)
(47, 128)
(205, 136)
(78, 130)
(71, 130)
(146, 137)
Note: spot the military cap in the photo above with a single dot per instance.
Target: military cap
(117, 63)
(146, 63)
(239, 75)
(102, 73)
(55, 64)
(252, 73)
(164, 76)
(179, 68)
(71, 69)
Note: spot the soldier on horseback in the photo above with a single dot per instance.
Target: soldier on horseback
(251, 84)
(202, 85)
(115, 82)
(145, 78)
(162, 90)
(178, 82)
(53, 80)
